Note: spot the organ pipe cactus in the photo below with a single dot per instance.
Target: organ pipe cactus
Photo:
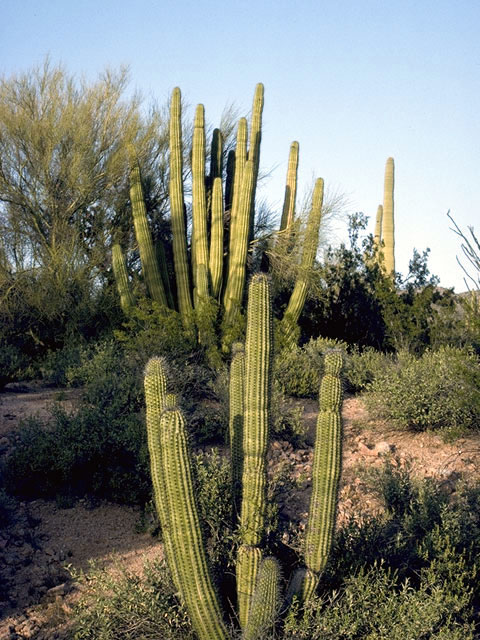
(288, 212)
(299, 294)
(216, 238)
(257, 580)
(388, 226)
(176, 506)
(199, 202)
(377, 237)
(119, 266)
(177, 205)
(144, 237)
(325, 479)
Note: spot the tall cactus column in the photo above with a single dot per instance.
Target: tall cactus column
(199, 202)
(388, 225)
(327, 463)
(258, 363)
(148, 258)
(180, 256)
(177, 510)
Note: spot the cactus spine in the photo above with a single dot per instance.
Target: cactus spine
(177, 210)
(258, 360)
(119, 266)
(297, 299)
(144, 237)
(388, 226)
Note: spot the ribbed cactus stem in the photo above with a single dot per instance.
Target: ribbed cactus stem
(258, 363)
(310, 244)
(239, 247)
(239, 167)
(288, 212)
(388, 225)
(236, 414)
(187, 552)
(265, 601)
(199, 200)
(127, 301)
(148, 258)
(229, 179)
(162, 264)
(254, 147)
(157, 399)
(327, 462)
(177, 211)
(216, 238)
(248, 563)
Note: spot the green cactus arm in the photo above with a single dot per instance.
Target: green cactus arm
(188, 553)
(199, 200)
(326, 466)
(216, 238)
(301, 586)
(236, 411)
(216, 155)
(148, 259)
(299, 293)
(239, 248)
(254, 148)
(265, 602)
(156, 400)
(229, 179)
(288, 212)
(162, 263)
(248, 562)
(388, 225)
(127, 301)
(239, 167)
(180, 256)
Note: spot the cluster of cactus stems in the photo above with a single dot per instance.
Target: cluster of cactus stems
(384, 236)
(223, 215)
(258, 578)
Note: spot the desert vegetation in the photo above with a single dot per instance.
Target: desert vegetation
(140, 271)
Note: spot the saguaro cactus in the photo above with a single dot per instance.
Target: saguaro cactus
(388, 225)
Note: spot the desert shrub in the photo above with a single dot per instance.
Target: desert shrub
(440, 390)
(127, 606)
(362, 367)
(409, 573)
(298, 370)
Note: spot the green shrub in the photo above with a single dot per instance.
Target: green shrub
(440, 390)
(298, 370)
(362, 367)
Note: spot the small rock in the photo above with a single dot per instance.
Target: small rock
(383, 448)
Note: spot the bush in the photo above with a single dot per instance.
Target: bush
(410, 573)
(362, 367)
(440, 390)
(298, 370)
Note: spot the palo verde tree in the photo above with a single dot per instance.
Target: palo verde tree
(63, 181)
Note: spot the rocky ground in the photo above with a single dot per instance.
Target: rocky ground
(41, 540)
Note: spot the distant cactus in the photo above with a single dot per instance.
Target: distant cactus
(388, 225)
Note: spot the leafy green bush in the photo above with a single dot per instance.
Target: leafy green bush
(298, 370)
(362, 367)
(409, 573)
(440, 390)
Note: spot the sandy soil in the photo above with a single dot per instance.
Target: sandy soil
(44, 538)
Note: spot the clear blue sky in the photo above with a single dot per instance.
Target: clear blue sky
(354, 81)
